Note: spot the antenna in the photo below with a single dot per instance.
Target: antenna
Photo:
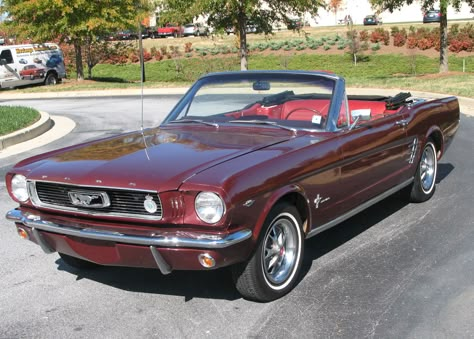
(142, 69)
(142, 80)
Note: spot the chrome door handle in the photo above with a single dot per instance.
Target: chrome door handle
(402, 123)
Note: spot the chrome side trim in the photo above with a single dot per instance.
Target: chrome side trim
(164, 267)
(358, 209)
(194, 240)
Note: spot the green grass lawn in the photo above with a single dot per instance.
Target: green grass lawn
(13, 118)
(411, 72)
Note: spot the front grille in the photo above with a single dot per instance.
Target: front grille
(123, 202)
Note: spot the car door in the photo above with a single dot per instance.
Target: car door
(8, 69)
(376, 153)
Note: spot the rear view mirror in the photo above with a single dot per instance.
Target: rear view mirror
(261, 86)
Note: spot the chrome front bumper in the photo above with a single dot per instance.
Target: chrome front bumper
(183, 239)
(158, 239)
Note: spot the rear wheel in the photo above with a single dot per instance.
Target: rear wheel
(76, 262)
(51, 79)
(425, 178)
(274, 268)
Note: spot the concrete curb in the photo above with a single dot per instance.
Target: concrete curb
(41, 126)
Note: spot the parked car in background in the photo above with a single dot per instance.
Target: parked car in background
(168, 30)
(372, 20)
(295, 24)
(250, 28)
(195, 29)
(2, 40)
(245, 167)
(432, 15)
(126, 35)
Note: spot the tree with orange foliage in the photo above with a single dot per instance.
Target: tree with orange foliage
(334, 6)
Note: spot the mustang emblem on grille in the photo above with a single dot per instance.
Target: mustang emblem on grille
(89, 199)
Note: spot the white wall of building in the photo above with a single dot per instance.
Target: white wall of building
(358, 9)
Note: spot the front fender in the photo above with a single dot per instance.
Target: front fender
(271, 199)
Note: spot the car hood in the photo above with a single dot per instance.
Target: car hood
(158, 159)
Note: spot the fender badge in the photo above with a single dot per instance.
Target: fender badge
(320, 200)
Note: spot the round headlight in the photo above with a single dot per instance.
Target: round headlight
(19, 189)
(209, 207)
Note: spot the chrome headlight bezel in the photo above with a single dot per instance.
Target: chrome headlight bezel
(209, 207)
(19, 188)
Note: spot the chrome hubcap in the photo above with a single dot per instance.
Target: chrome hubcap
(427, 169)
(279, 253)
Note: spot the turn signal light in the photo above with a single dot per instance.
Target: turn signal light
(206, 260)
(22, 233)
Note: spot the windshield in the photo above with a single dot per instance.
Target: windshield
(293, 100)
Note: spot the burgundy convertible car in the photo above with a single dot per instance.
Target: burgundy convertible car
(244, 168)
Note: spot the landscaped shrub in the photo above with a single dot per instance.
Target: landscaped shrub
(425, 43)
(275, 46)
(399, 39)
(462, 42)
(394, 30)
(188, 47)
(412, 42)
(364, 35)
(380, 35)
(375, 47)
(147, 55)
(262, 46)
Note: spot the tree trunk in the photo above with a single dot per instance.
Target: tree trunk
(90, 63)
(242, 26)
(443, 38)
(78, 53)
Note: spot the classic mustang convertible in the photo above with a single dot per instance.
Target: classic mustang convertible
(244, 168)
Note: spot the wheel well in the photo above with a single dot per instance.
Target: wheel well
(301, 205)
(53, 72)
(438, 141)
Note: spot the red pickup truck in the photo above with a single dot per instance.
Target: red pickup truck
(167, 30)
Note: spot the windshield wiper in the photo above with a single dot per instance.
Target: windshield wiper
(184, 121)
(264, 122)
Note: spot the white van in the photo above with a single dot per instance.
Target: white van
(31, 64)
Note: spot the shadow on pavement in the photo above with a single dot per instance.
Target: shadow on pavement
(217, 284)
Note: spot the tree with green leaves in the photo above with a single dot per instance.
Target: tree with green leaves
(222, 14)
(79, 22)
(426, 5)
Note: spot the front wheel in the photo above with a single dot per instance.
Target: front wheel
(51, 79)
(425, 178)
(273, 269)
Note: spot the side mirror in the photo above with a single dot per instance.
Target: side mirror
(3, 62)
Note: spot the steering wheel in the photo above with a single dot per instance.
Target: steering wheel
(303, 109)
